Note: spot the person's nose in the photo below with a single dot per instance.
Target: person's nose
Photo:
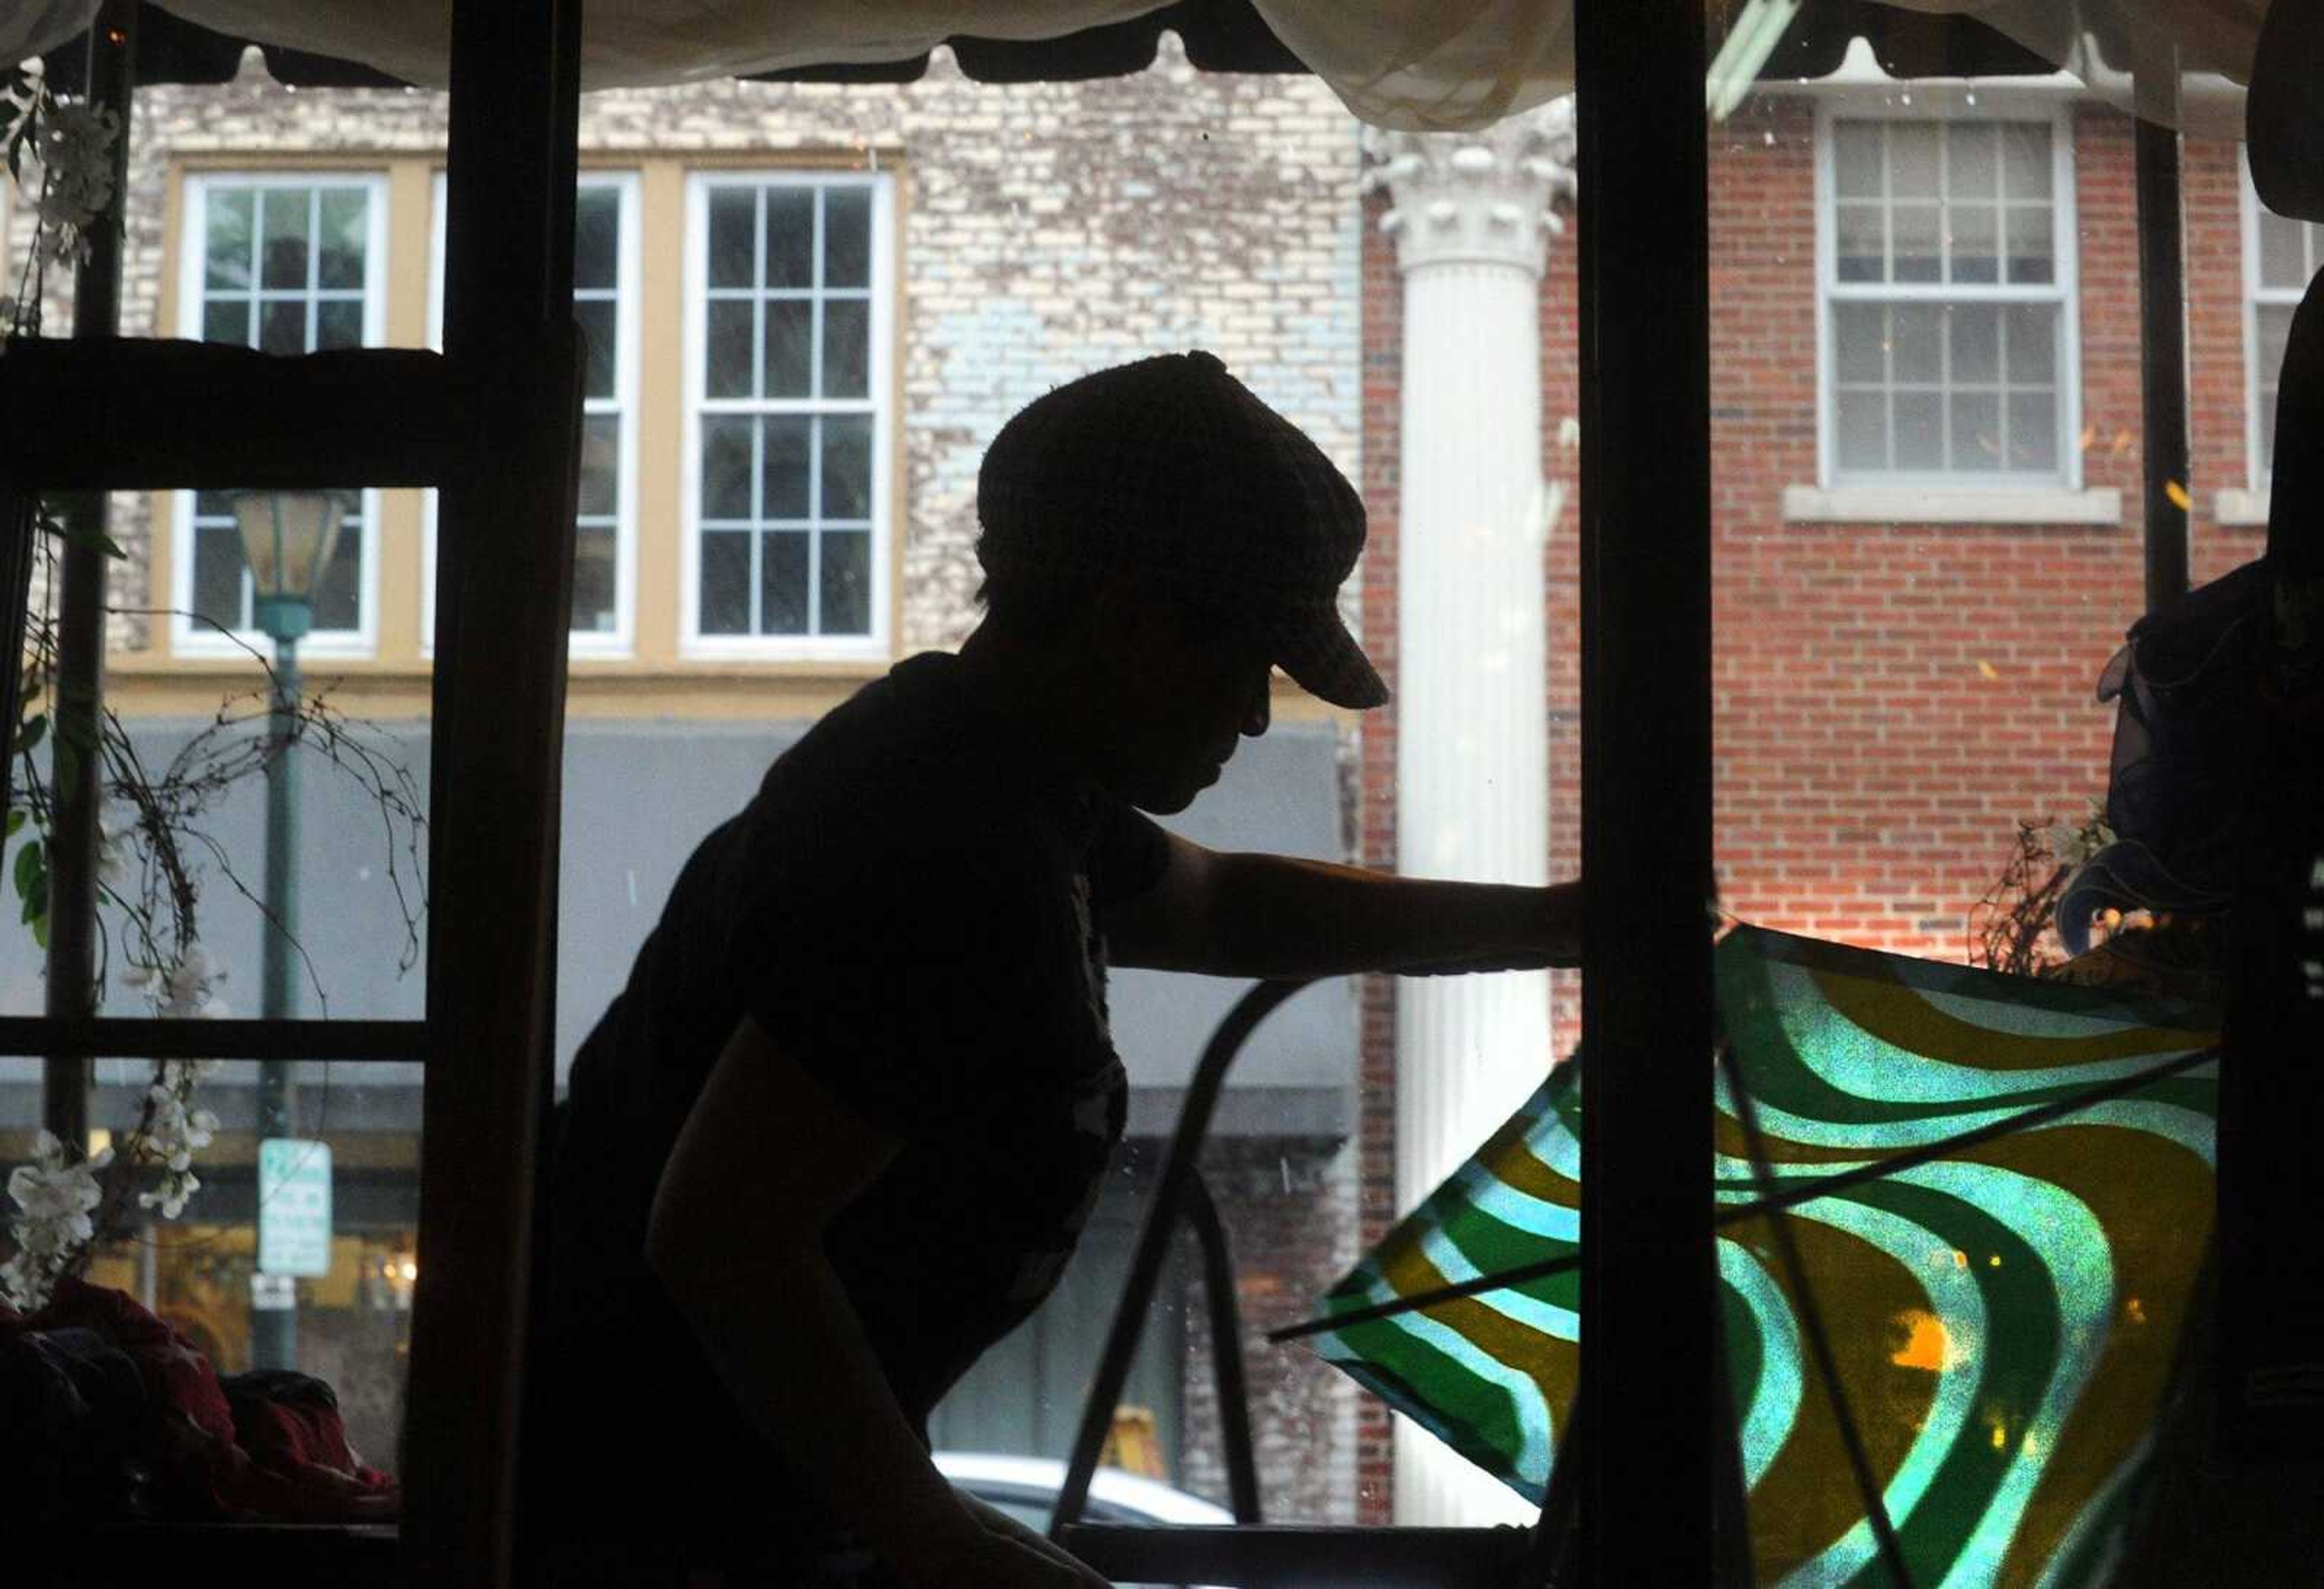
(1259, 715)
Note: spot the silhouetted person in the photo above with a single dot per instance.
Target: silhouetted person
(840, 1133)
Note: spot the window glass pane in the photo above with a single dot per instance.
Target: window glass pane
(1976, 333)
(595, 574)
(1920, 430)
(211, 504)
(1860, 231)
(601, 463)
(726, 467)
(2274, 335)
(2026, 161)
(226, 320)
(338, 322)
(596, 238)
(282, 326)
(597, 321)
(1917, 351)
(726, 582)
(338, 593)
(1976, 242)
(217, 576)
(846, 348)
(1860, 429)
(847, 466)
(2282, 256)
(846, 236)
(1856, 159)
(2030, 335)
(226, 214)
(2031, 248)
(2033, 430)
(790, 237)
(1972, 161)
(1976, 430)
(1917, 229)
(283, 236)
(1859, 336)
(783, 583)
(783, 469)
(734, 236)
(728, 344)
(791, 347)
(846, 582)
(1912, 160)
(347, 230)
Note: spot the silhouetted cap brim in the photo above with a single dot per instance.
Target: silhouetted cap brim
(1324, 659)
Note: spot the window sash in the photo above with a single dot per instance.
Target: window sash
(621, 404)
(2057, 295)
(193, 529)
(2262, 302)
(723, 548)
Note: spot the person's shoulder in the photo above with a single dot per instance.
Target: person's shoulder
(906, 759)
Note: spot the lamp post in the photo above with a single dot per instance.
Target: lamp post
(287, 540)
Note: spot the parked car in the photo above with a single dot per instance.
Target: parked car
(1026, 1488)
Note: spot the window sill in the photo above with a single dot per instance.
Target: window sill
(2241, 508)
(1914, 504)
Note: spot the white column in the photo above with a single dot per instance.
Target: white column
(1470, 217)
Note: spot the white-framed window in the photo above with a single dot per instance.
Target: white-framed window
(1946, 266)
(788, 415)
(286, 262)
(2281, 257)
(605, 245)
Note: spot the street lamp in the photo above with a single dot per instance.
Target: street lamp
(287, 540)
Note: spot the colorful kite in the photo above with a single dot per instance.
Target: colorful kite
(1961, 1216)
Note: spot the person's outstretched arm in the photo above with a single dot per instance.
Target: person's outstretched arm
(768, 1145)
(1237, 915)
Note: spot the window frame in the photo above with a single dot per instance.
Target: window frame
(879, 402)
(619, 642)
(186, 638)
(2257, 295)
(2064, 292)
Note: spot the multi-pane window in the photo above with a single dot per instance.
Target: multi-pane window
(1946, 281)
(605, 304)
(597, 274)
(786, 389)
(2282, 257)
(286, 264)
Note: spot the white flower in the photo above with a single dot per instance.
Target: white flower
(187, 980)
(56, 1200)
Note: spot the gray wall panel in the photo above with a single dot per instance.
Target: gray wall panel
(637, 797)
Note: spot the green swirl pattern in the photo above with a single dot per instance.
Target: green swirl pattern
(2002, 1295)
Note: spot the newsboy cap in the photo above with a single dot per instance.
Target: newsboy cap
(1171, 466)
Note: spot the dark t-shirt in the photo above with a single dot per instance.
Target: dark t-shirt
(906, 907)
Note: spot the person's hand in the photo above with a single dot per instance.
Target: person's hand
(974, 1557)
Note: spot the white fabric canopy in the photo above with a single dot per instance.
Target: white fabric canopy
(1419, 65)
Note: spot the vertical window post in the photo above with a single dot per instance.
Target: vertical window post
(1649, 1279)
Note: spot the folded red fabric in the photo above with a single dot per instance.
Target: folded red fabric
(287, 1459)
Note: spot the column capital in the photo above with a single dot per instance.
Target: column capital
(1482, 198)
